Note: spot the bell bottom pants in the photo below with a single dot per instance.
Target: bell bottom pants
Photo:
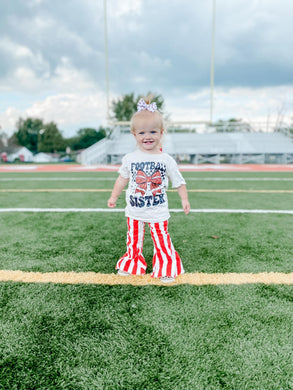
(166, 261)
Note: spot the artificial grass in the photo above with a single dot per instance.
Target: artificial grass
(101, 337)
(197, 200)
(207, 180)
(48, 242)
(107, 182)
(126, 337)
(99, 180)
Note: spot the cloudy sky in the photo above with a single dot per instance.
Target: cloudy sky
(53, 65)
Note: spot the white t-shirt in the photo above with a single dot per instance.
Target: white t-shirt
(149, 176)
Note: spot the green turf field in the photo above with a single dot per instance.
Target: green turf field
(151, 337)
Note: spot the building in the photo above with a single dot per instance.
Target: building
(20, 153)
(45, 157)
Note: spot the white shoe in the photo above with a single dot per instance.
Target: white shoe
(167, 279)
(123, 273)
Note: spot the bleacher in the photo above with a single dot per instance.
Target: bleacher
(237, 148)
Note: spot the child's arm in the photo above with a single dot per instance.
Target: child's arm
(184, 198)
(118, 188)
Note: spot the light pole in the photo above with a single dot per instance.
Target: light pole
(212, 62)
(37, 133)
(106, 60)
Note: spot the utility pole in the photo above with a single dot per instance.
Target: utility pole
(213, 61)
(106, 60)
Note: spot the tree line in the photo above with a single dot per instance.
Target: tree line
(39, 136)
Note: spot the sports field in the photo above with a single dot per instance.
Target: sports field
(67, 322)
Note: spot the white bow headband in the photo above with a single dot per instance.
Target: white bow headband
(142, 105)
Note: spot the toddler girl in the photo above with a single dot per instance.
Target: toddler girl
(147, 170)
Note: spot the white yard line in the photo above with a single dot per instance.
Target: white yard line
(104, 210)
(239, 178)
(114, 178)
(92, 179)
(213, 190)
(57, 190)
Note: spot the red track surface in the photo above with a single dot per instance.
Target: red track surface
(114, 168)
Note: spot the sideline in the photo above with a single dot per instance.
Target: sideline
(116, 210)
(114, 168)
(197, 279)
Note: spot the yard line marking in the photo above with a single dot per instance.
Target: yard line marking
(114, 178)
(58, 178)
(240, 191)
(56, 190)
(196, 278)
(240, 178)
(116, 210)
(110, 190)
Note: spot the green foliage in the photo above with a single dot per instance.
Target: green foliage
(37, 136)
(85, 138)
(27, 133)
(124, 107)
(50, 139)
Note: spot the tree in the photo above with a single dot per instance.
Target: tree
(124, 107)
(27, 133)
(3, 139)
(38, 136)
(46, 137)
(50, 139)
(85, 138)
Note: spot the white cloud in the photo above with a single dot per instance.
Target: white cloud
(121, 8)
(13, 48)
(8, 119)
(70, 111)
(66, 78)
(153, 62)
(53, 57)
(262, 107)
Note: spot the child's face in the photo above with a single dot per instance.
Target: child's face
(148, 136)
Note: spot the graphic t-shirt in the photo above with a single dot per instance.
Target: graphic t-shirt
(149, 176)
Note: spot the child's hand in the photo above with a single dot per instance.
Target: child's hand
(118, 188)
(182, 191)
(111, 202)
(186, 206)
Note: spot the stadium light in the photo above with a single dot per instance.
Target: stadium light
(212, 61)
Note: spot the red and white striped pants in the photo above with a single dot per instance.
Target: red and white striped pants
(166, 261)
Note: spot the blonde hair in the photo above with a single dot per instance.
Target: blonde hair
(147, 115)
